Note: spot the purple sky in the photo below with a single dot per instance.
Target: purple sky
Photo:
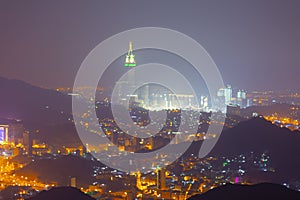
(256, 44)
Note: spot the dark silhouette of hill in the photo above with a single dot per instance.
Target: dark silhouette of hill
(32, 104)
(259, 135)
(61, 169)
(261, 191)
(62, 193)
(47, 110)
(9, 191)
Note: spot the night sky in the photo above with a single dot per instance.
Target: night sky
(255, 44)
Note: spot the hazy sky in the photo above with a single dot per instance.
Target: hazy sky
(255, 44)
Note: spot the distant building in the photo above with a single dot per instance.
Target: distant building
(11, 130)
(27, 142)
(241, 99)
(241, 94)
(228, 94)
(74, 150)
(3, 133)
(225, 93)
(249, 102)
(224, 97)
(161, 179)
(221, 92)
(73, 182)
(204, 102)
(130, 60)
(39, 148)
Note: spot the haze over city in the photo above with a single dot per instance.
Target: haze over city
(44, 43)
(150, 100)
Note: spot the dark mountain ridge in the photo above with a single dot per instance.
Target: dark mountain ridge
(62, 193)
(261, 191)
(31, 104)
(259, 135)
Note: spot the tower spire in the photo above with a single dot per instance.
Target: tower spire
(130, 48)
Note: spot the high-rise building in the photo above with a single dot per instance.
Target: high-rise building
(241, 99)
(221, 92)
(27, 142)
(161, 178)
(73, 182)
(11, 130)
(204, 103)
(224, 96)
(241, 94)
(3, 133)
(122, 87)
(228, 94)
(249, 102)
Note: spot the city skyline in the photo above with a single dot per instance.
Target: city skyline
(149, 100)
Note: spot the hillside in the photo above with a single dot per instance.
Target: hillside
(255, 192)
(62, 193)
(32, 104)
(259, 135)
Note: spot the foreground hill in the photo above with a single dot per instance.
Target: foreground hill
(62, 193)
(245, 192)
(259, 135)
(61, 169)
